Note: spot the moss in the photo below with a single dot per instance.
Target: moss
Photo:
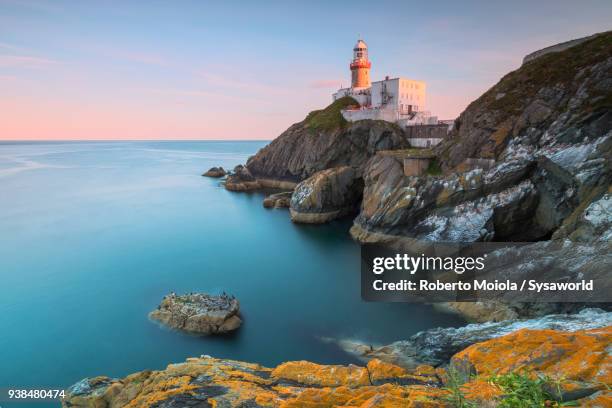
(434, 168)
(331, 117)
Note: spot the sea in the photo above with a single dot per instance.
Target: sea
(94, 234)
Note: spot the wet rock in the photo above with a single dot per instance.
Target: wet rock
(327, 195)
(241, 179)
(278, 200)
(199, 313)
(215, 172)
(436, 346)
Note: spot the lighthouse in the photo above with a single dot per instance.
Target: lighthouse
(360, 66)
(398, 100)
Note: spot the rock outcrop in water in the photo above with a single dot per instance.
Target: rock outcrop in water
(278, 200)
(327, 195)
(215, 172)
(577, 367)
(199, 313)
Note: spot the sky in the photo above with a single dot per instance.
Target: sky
(249, 69)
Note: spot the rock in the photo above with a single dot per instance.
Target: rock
(578, 365)
(557, 97)
(324, 140)
(327, 195)
(580, 360)
(278, 200)
(207, 381)
(199, 313)
(215, 172)
(436, 346)
(241, 180)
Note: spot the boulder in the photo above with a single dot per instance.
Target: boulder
(215, 172)
(278, 200)
(326, 195)
(241, 179)
(199, 313)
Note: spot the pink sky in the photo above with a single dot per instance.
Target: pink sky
(89, 70)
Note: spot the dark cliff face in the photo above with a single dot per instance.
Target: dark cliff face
(561, 97)
(324, 140)
(548, 128)
(547, 131)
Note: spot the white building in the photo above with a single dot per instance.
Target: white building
(398, 100)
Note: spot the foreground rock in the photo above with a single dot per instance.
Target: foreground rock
(278, 200)
(215, 172)
(199, 313)
(577, 364)
(436, 346)
(327, 195)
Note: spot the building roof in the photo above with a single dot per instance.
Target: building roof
(361, 44)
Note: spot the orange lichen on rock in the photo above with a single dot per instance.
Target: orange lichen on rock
(579, 360)
(572, 356)
(307, 373)
(161, 391)
(481, 391)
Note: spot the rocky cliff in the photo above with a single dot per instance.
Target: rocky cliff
(525, 368)
(545, 129)
(545, 134)
(321, 141)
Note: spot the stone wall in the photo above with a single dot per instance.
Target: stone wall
(556, 48)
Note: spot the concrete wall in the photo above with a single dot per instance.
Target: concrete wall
(372, 114)
(360, 95)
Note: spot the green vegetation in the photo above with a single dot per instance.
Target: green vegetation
(522, 390)
(517, 87)
(519, 390)
(434, 168)
(330, 118)
(453, 385)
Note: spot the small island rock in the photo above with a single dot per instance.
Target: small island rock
(278, 200)
(215, 172)
(199, 313)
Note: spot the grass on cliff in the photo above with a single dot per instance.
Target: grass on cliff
(331, 117)
(516, 88)
(519, 390)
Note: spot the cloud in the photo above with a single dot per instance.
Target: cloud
(326, 83)
(141, 57)
(22, 61)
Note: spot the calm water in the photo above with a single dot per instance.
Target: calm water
(93, 235)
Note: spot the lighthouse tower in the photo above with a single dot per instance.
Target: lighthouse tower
(360, 66)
